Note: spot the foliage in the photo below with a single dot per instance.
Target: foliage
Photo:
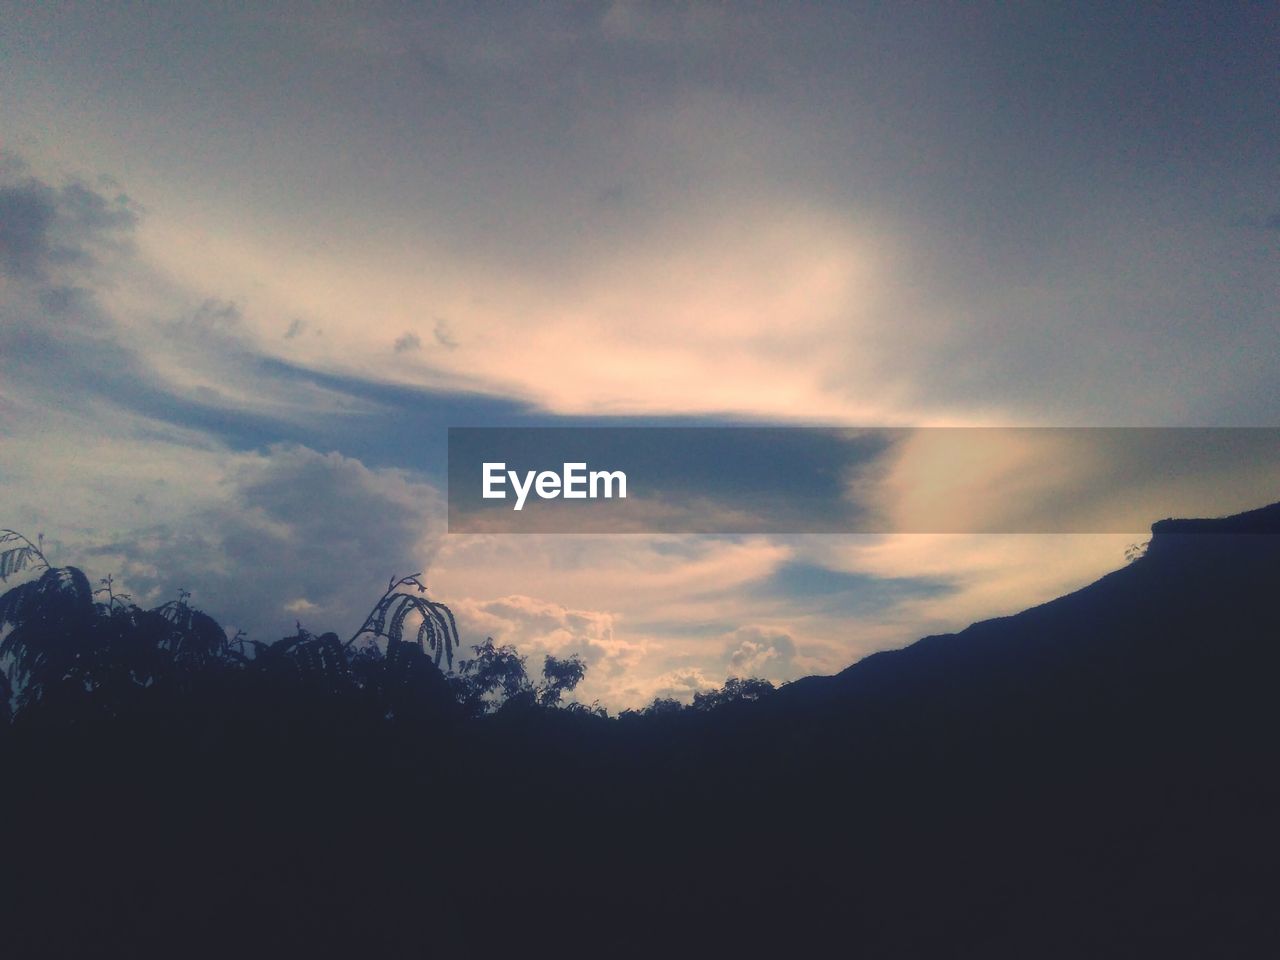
(17, 553)
(437, 629)
(560, 677)
(664, 706)
(495, 679)
(72, 650)
(734, 690)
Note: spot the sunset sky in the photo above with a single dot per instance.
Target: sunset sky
(254, 262)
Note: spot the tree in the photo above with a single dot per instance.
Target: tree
(492, 678)
(66, 650)
(560, 677)
(733, 691)
(437, 630)
(496, 679)
(74, 649)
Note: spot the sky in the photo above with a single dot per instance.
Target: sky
(255, 261)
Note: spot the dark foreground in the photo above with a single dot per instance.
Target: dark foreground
(1095, 777)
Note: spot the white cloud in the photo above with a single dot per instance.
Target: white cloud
(680, 684)
(539, 627)
(988, 574)
(761, 652)
(268, 538)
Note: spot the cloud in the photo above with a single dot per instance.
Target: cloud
(89, 327)
(642, 579)
(443, 334)
(1010, 480)
(679, 684)
(290, 533)
(26, 213)
(539, 628)
(911, 257)
(986, 575)
(49, 233)
(761, 652)
(407, 343)
(809, 215)
(215, 316)
(636, 608)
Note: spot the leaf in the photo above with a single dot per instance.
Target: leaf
(378, 619)
(428, 629)
(453, 625)
(450, 633)
(14, 603)
(15, 561)
(17, 558)
(408, 605)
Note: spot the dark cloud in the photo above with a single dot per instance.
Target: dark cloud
(407, 342)
(56, 342)
(55, 339)
(26, 215)
(45, 229)
(444, 335)
(1039, 165)
(297, 535)
(216, 315)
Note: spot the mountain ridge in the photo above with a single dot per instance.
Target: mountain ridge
(1182, 548)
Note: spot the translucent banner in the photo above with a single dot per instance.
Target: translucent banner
(778, 480)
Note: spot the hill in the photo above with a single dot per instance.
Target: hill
(1095, 776)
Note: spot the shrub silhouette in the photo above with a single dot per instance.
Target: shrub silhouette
(735, 690)
(495, 678)
(70, 654)
(73, 651)
(437, 630)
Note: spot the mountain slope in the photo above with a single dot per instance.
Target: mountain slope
(1095, 776)
(1204, 593)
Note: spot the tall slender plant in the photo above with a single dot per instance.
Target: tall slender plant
(438, 631)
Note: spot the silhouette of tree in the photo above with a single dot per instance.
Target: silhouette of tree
(437, 631)
(734, 690)
(496, 679)
(318, 662)
(492, 678)
(560, 677)
(663, 706)
(65, 649)
(73, 648)
(53, 640)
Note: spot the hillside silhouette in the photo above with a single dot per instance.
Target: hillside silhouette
(1095, 776)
